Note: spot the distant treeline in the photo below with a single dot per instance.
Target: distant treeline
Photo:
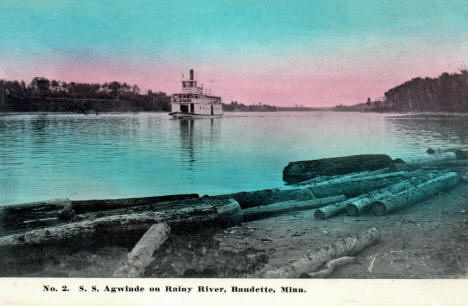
(447, 93)
(235, 106)
(43, 95)
(57, 96)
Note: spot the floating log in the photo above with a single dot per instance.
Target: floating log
(335, 209)
(355, 208)
(356, 186)
(298, 171)
(142, 254)
(415, 194)
(314, 261)
(287, 206)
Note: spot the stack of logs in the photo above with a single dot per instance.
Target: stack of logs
(352, 185)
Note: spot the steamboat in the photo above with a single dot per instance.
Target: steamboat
(193, 102)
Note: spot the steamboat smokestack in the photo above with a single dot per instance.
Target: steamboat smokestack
(191, 74)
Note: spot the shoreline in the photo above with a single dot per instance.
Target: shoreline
(423, 241)
(395, 113)
(210, 236)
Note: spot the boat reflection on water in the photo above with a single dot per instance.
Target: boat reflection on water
(198, 139)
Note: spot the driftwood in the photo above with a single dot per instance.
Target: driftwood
(357, 207)
(460, 154)
(420, 160)
(415, 194)
(282, 207)
(33, 214)
(87, 206)
(314, 261)
(126, 229)
(267, 196)
(446, 164)
(331, 266)
(57, 211)
(298, 171)
(142, 254)
(334, 209)
(356, 186)
(321, 179)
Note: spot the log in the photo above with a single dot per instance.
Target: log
(85, 206)
(314, 261)
(460, 154)
(356, 186)
(415, 194)
(142, 254)
(229, 214)
(268, 196)
(445, 164)
(331, 266)
(357, 207)
(126, 229)
(421, 160)
(334, 209)
(321, 179)
(32, 214)
(258, 212)
(298, 171)
(57, 211)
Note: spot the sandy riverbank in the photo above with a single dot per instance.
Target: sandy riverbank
(426, 240)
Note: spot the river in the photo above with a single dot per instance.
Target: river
(45, 156)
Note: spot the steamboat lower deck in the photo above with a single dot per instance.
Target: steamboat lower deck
(193, 102)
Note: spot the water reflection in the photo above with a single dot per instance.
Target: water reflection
(434, 132)
(197, 138)
(125, 155)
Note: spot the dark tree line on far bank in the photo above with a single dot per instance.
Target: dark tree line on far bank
(446, 93)
(58, 96)
(43, 95)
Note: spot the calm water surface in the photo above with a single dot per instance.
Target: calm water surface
(132, 155)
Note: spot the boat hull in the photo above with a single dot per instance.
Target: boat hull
(180, 115)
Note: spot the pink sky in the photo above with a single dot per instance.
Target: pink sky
(279, 79)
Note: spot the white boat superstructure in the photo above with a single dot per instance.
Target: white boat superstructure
(193, 102)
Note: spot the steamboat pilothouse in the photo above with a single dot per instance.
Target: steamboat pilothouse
(192, 102)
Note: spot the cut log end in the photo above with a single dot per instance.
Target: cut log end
(379, 209)
(319, 215)
(352, 210)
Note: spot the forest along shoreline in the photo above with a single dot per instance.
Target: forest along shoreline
(336, 214)
(444, 94)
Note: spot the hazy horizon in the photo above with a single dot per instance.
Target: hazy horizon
(316, 54)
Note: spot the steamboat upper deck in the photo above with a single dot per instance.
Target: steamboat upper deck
(193, 102)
